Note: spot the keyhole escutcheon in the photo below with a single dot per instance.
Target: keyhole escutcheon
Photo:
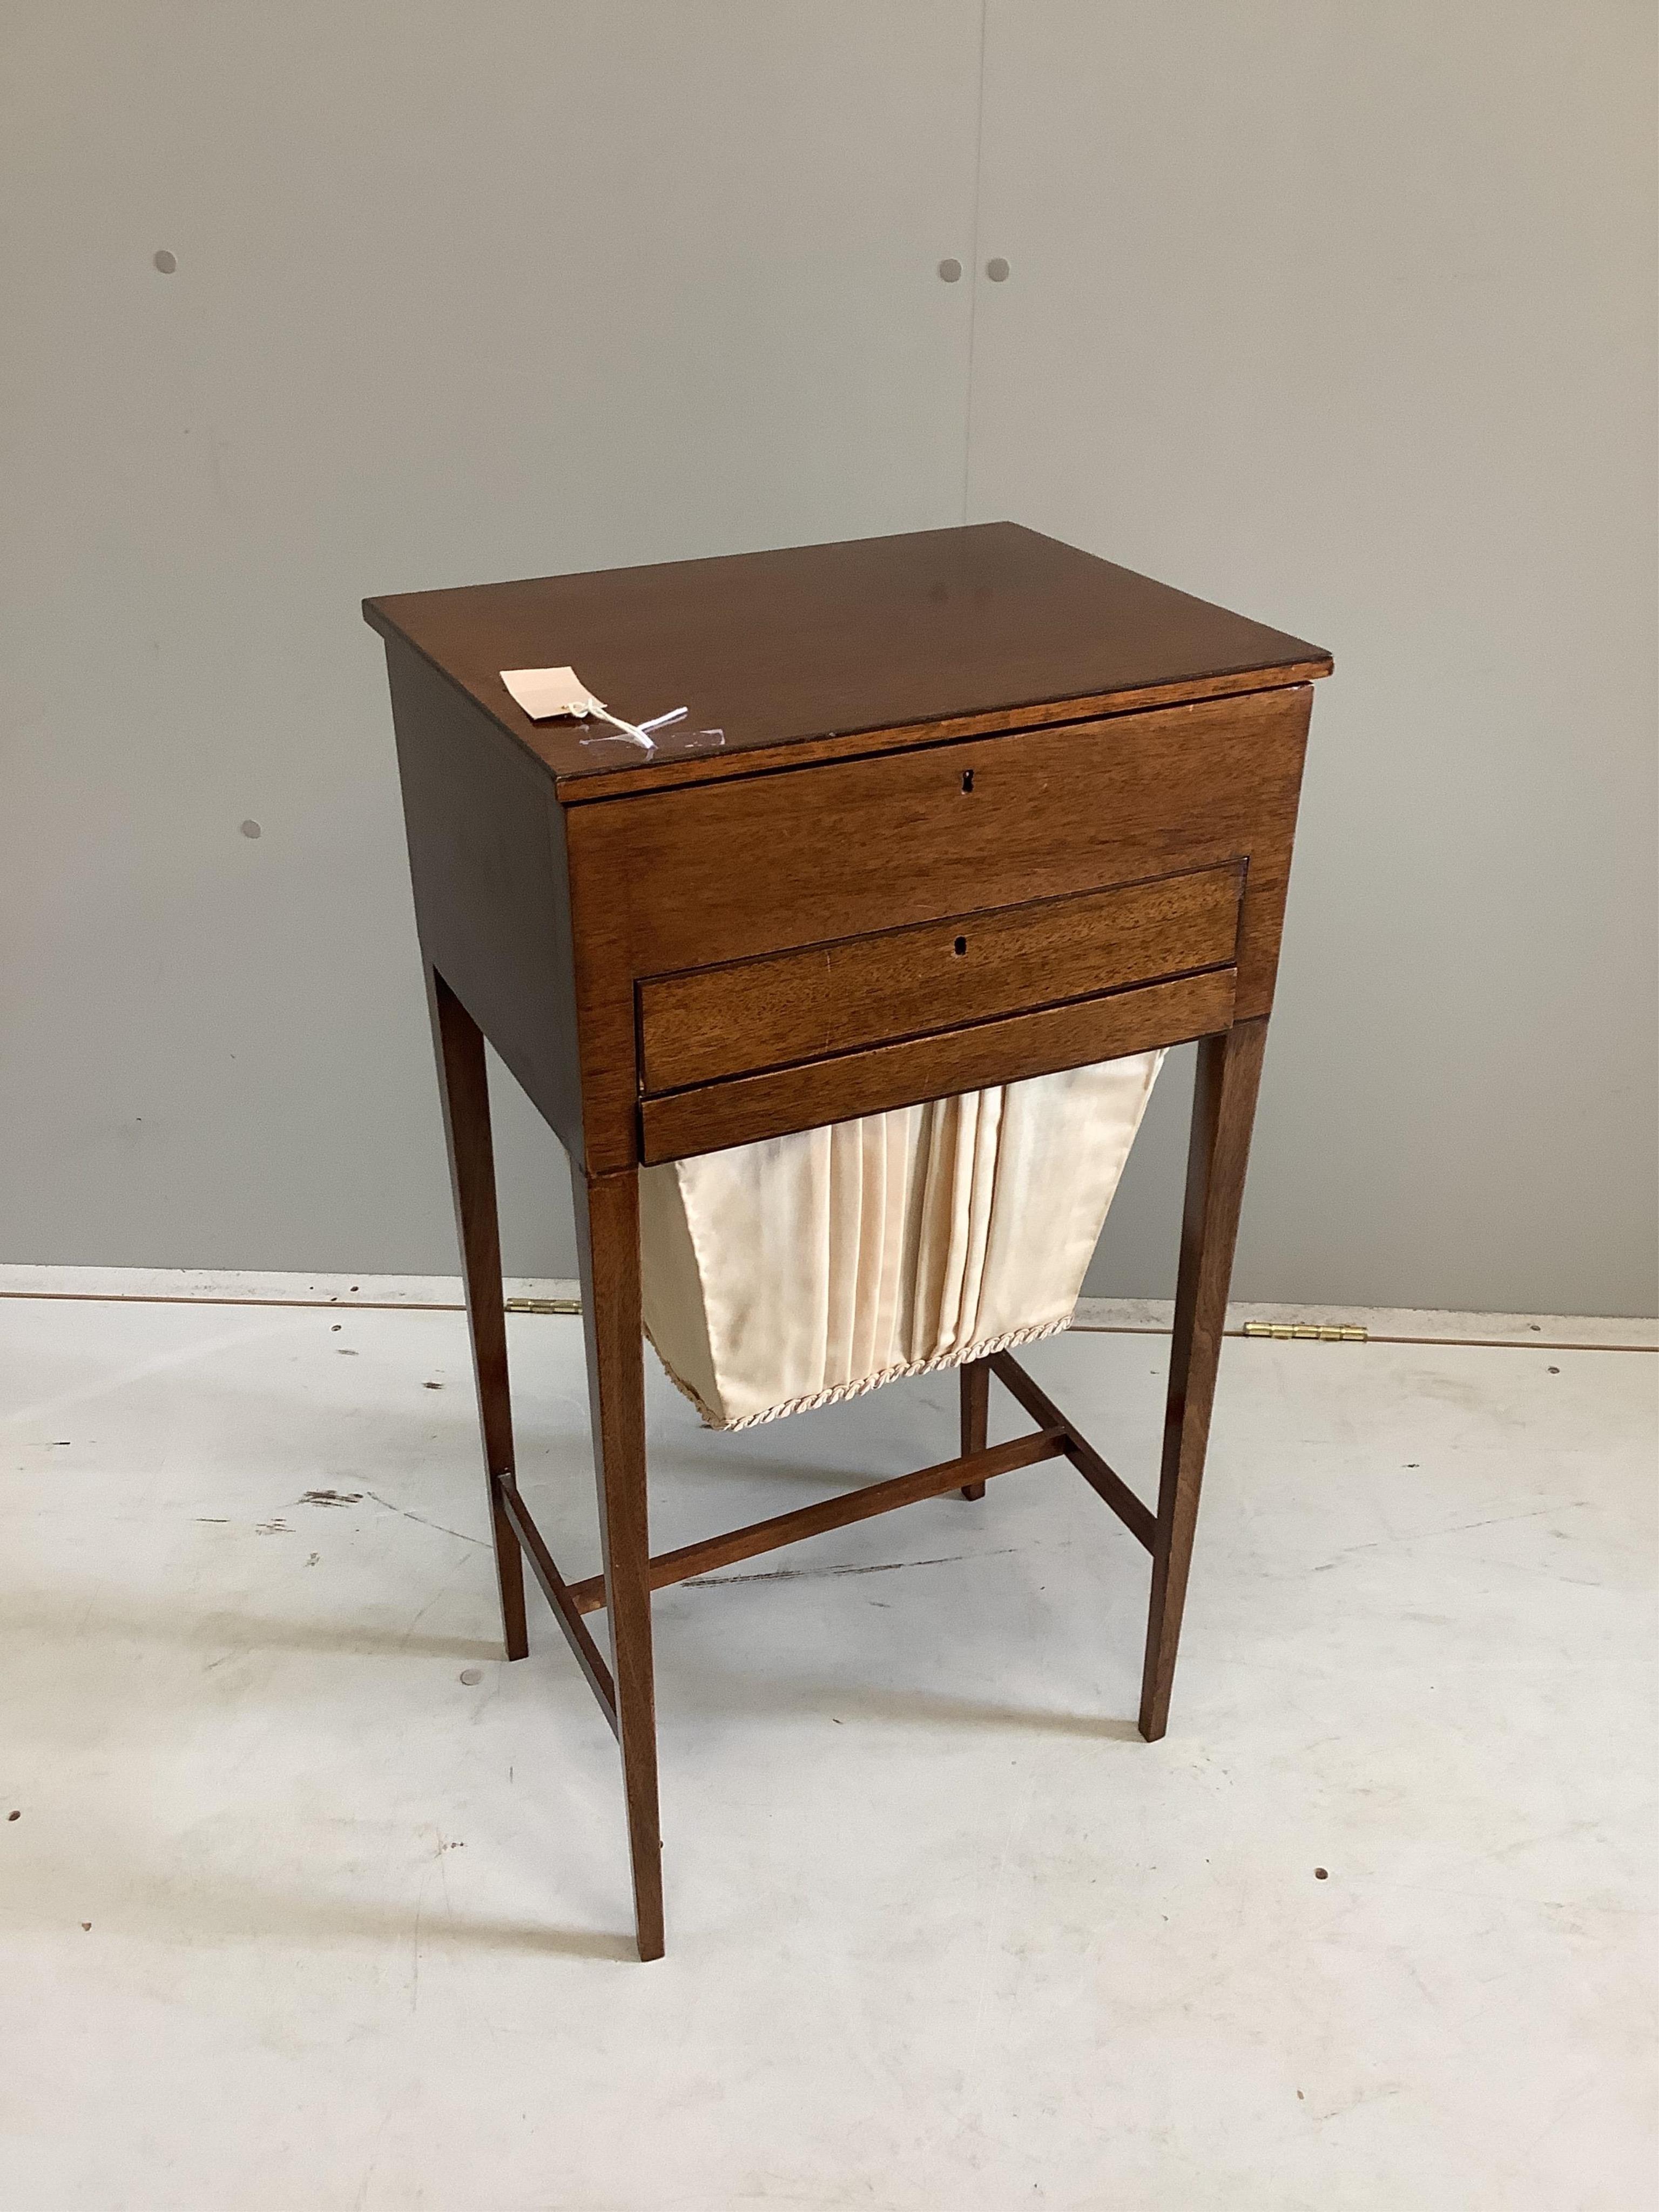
(961, 944)
(967, 779)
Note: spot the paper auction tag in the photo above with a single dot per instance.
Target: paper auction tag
(544, 692)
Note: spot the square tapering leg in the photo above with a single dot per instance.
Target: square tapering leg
(976, 1412)
(607, 1210)
(463, 1081)
(1224, 1113)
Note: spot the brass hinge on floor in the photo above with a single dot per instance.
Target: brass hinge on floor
(544, 1306)
(1305, 1331)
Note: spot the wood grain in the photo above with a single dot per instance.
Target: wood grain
(1104, 1480)
(486, 861)
(1223, 1111)
(607, 1211)
(565, 1611)
(768, 1012)
(871, 642)
(631, 779)
(751, 1106)
(668, 883)
(854, 1505)
(976, 1415)
(463, 1091)
(973, 734)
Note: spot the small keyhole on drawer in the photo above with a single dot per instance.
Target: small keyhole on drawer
(967, 779)
(961, 945)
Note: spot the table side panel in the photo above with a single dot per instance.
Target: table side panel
(487, 863)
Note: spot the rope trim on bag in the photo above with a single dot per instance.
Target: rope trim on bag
(857, 1388)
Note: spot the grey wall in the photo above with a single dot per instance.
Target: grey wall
(1346, 319)
(1343, 316)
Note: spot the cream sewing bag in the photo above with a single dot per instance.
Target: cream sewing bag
(789, 1273)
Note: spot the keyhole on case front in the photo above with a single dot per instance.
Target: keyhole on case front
(967, 785)
(961, 945)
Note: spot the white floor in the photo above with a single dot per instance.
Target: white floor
(307, 1900)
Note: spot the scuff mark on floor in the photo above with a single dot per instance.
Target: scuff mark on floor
(1460, 1527)
(822, 1574)
(405, 1513)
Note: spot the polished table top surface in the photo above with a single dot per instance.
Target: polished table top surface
(965, 630)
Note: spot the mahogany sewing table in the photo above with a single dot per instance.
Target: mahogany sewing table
(949, 809)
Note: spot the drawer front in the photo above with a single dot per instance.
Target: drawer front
(767, 863)
(1083, 1030)
(794, 860)
(746, 1015)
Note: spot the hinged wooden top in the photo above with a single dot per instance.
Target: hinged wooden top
(858, 646)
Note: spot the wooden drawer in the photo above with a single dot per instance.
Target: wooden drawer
(861, 991)
(1074, 1034)
(905, 848)
(767, 863)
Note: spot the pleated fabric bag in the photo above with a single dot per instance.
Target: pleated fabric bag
(790, 1273)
